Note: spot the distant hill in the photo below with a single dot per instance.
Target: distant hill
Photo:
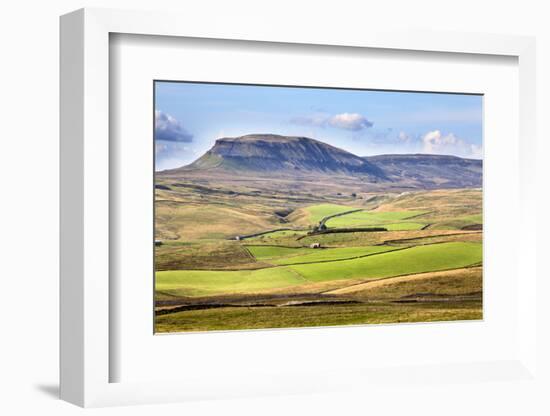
(430, 171)
(274, 156)
(282, 154)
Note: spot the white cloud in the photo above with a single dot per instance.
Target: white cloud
(350, 121)
(167, 128)
(346, 121)
(435, 142)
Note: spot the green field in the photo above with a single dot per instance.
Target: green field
(206, 282)
(286, 256)
(403, 226)
(423, 266)
(373, 218)
(275, 235)
(318, 212)
(394, 263)
(272, 252)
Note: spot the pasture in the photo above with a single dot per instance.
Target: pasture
(425, 267)
(395, 263)
(372, 218)
(207, 282)
(317, 212)
(310, 316)
(379, 264)
(307, 255)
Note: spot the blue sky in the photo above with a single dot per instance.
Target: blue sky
(189, 117)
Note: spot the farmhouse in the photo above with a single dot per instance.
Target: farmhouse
(315, 245)
(158, 242)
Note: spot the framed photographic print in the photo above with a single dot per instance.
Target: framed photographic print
(289, 227)
(323, 212)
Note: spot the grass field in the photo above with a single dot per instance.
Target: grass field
(318, 212)
(284, 255)
(398, 262)
(425, 267)
(272, 252)
(206, 282)
(400, 237)
(457, 282)
(310, 316)
(373, 218)
(403, 226)
(276, 235)
(407, 261)
(332, 254)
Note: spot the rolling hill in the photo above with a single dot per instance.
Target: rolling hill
(430, 171)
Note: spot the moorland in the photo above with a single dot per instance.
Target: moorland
(267, 231)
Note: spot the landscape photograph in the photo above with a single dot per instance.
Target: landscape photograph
(293, 207)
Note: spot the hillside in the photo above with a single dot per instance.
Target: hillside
(430, 171)
(282, 154)
(292, 157)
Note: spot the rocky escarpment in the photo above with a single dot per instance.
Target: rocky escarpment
(274, 153)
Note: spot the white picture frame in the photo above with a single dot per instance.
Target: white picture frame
(85, 207)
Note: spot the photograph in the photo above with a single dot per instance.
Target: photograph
(302, 206)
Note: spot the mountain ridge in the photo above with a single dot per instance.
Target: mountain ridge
(431, 171)
(297, 154)
(271, 155)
